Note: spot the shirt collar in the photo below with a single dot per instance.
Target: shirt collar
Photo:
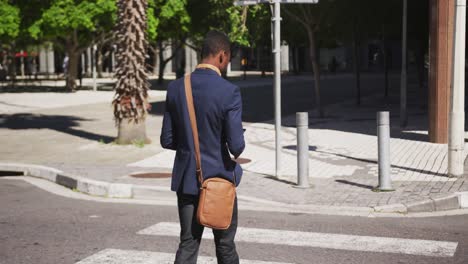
(209, 66)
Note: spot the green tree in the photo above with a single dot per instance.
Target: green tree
(9, 29)
(74, 24)
(258, 24)
(131, 89)
(9, 21)
(220, 15)
(181, 23)
(172, 28)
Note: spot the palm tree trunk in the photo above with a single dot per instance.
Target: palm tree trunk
(316, 69)
(131, 100)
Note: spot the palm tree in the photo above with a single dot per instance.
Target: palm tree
(131, 90)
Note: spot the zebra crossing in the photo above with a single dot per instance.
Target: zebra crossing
(119, 256)
(416, 247)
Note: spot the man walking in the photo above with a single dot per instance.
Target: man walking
(218, 109)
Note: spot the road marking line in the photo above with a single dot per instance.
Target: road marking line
(323, 240)
(119, 256)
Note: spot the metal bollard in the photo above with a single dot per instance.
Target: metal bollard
(302, 122)
(383, 137)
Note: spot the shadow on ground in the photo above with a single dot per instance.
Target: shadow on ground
(62, 123)
(33, 89)
(367, 161)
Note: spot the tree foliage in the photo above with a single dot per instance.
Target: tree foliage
(9, 21)
(220, 15)
(65, 16)
(172, 19)
(74, 24)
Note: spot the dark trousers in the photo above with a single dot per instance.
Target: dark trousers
(191, 234)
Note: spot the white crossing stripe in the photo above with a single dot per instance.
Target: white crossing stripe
(324, 240)
(119, 256)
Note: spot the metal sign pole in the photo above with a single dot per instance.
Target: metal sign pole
(277, 84)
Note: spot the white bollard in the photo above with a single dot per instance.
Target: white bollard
(302, 122)
(383, 137)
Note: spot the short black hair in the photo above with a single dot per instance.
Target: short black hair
(214, 42)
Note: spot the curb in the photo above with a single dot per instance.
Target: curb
(81, 184)
(92, 187)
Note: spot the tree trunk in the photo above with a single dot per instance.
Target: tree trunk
(12, 65)
(72, 69)
(296, 60)
(22, 64)
(162, 64)
(385, 61)
(356, 59)
(262, 61)
(154, 50)
(316, 69)
(131, 101)
(293, 51)
(106, 61)
(132, 133)
(99, 59)
(420, 66)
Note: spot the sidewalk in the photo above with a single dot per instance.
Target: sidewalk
(73, 135)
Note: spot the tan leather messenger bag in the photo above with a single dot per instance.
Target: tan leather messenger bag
(217, 194)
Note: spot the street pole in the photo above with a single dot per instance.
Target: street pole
(94, 68)
(403, 114)
(277, 85)
(456, 140)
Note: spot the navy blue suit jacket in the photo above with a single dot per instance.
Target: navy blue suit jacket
(218, 109)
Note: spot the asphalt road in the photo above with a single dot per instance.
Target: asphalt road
(40, 227)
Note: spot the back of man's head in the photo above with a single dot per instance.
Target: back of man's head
(214, 42)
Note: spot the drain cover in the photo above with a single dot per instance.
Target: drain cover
(157, 175)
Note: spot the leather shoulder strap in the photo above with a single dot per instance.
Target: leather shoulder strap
(193, 124)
